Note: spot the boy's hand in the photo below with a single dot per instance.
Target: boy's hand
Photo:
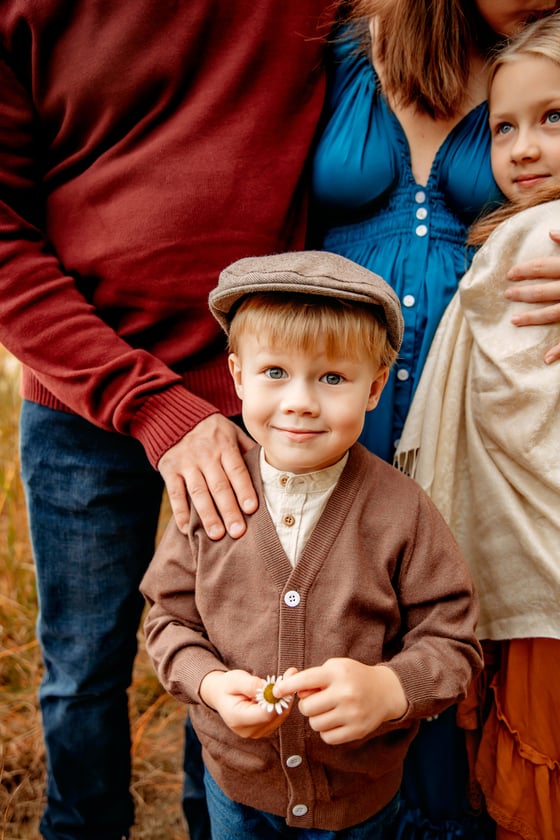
(208, 463)
(232, 694)
(547, 294)
(346, 700)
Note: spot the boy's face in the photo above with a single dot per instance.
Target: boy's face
(525, 125)
(305, 409)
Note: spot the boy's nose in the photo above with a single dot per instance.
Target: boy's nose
(299, 398)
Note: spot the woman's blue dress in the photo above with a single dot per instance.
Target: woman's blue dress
(368, 207)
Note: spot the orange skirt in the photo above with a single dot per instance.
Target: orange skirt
(518, 758)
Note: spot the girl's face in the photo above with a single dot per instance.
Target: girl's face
(506, 17)
(525, 124)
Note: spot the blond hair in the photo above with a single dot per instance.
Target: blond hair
(307, 322)
(540, 39)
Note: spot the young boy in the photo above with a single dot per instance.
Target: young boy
(347, 581)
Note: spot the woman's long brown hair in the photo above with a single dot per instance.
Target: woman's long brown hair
(426, 48)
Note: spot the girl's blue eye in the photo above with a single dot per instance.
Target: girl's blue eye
(275, 373)
(504, 128)
(553, 116)
(332, 378)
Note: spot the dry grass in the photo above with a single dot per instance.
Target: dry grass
(157, 720)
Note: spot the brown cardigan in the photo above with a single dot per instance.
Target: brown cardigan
(380, 580)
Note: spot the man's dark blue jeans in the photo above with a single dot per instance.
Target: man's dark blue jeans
(93, 502)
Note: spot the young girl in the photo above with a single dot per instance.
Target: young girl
(483, 439)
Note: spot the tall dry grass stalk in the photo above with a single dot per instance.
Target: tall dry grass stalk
(157, 720)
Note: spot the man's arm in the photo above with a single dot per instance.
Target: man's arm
(49, 325)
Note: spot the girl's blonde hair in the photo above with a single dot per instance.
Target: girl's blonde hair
(426, 48)
(541, 40)
(306, 323)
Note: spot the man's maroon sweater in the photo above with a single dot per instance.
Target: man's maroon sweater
(144, 147)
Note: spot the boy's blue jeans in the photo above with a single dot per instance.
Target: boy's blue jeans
(93, 502)
(232, 821)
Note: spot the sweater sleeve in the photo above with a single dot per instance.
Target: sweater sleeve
(49, 325)
(440, 653)
(175, 638)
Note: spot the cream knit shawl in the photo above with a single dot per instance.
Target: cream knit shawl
(483, 436)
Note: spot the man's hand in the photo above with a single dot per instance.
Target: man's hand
(208, 463)
(545, 293)
(346, 700)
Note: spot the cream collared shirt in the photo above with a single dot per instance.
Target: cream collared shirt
(296, 502)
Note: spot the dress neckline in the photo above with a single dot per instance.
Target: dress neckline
(402, 139)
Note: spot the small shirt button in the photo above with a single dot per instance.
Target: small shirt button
(294, 761)
(402, 374)
(300, 810)
(421, 230)
(420, 197)
(421, 213)
(409, 300)
(292, 598)
(289, 520)
(284, 480)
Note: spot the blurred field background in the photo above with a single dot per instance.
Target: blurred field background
(157, 719)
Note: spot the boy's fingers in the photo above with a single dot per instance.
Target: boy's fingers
(308, 680)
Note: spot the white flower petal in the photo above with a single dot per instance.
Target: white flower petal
(279, 705)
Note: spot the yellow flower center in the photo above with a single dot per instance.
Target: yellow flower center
(268, 693)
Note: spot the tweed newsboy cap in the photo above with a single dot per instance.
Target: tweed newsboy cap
(308, 272)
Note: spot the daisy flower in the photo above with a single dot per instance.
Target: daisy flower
(266, 699)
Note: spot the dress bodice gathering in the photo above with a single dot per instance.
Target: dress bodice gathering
(371, 210)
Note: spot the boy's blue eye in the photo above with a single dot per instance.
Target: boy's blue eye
(332, 378)
(553, 116)
(274, 373)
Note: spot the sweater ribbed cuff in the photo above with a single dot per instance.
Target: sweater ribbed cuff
(165, 418)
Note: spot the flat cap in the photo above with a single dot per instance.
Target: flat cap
(306, 272)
